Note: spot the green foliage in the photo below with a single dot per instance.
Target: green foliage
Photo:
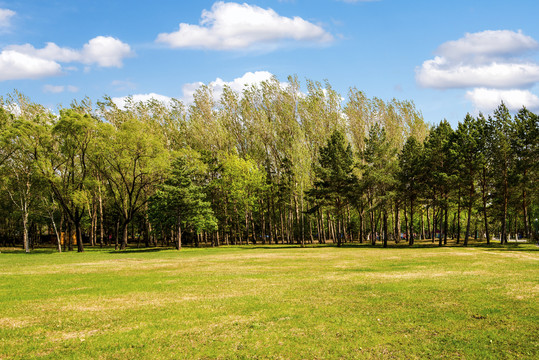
(273, 162)
(179, 203)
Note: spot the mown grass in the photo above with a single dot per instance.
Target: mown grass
(271, 302)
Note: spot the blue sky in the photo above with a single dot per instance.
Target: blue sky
(449, 57)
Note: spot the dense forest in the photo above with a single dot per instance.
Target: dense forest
(270, 165)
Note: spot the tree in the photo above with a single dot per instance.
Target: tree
(410, 177)
(379, 168)
(438, 171)
(179, 204)
(525, 145)
(21, 176)
(21, 136)
(467, 149)
(132, 159)
(503, 161)
(334, 176)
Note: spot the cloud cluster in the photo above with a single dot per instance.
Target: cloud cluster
(217, 86)
(494, 64)
(488, 99)
(27, 62)
(121, 102)
(188, 90)
(230, 26)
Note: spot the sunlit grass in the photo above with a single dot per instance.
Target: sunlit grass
(271, 302)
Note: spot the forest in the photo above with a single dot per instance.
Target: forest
(273, 164)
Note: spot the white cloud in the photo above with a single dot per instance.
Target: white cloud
(442, 74)
(121, 102)
(229, 26)
(104, 51)
(50, 52)
(493, 64)
(27, 62)
(188, 90)
(487, 46)
(485, 59)
(5, 17)
(15, 66)
(56, 89)
(217, 86)
(487, 100)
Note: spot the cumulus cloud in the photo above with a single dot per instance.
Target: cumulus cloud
(443, 74)
(121, 102)
(5, 17)
(104, 51)
(27, 62)
(495, 65)
(230, 26)
(486, 59)
(487, 100)
(189, 89)
(15, 65)
(486, 46)
(217, 86)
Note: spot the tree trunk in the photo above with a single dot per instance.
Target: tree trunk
(468, 224)
(525, 214)
(25, 238)
(385, 228)
(458, 218)
(406, 224)
(397, 223)
(503, 239)
(361, 235)
(179, 243)
(484, 199)
(411, 222)
(101, 232)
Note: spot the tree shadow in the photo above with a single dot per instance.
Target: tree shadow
(139, 250)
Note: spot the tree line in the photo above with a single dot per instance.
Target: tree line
(268, 165)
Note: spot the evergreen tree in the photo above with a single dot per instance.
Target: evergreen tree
(180, 205)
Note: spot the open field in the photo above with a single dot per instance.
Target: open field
(271, 302)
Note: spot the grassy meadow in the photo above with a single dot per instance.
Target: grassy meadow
(278, 302)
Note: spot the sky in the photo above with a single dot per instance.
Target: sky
(449, 57)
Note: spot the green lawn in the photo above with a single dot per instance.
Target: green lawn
(271, 302)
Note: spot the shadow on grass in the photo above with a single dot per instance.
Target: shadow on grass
(421, 244)
(139, 250)
(18, 251)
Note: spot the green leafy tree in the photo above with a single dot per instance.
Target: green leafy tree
(131, 158)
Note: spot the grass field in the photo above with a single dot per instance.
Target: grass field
(271, 303)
